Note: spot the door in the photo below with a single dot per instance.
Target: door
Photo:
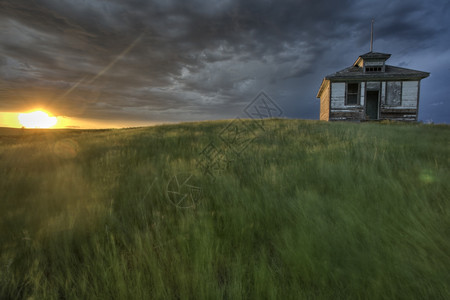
(372, 105)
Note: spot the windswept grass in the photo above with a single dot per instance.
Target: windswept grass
(307, 210)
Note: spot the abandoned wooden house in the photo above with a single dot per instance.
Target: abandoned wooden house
(371, 90)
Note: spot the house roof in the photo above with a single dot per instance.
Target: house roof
(375, 55)
(355, 72)
(390, 73)
(372, 56)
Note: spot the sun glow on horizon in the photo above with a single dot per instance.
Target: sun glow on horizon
(12, 120)
(37, 119)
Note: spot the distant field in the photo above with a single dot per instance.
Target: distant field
(287, 209)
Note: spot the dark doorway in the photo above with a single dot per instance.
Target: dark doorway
(372, 105)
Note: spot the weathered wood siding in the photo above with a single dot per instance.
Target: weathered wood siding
(362, 93)
(398, 114)
(373, 86)
(407, 110)
(337, 95)
(353, 114)
(409, 94)
(339, 111)
(325, 103)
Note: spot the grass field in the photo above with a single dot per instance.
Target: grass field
(218, 210)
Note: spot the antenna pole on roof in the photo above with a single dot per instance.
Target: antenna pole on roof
(371, 36)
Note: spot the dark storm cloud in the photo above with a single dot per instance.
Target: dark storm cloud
(184, 60)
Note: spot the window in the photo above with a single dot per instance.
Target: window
(373, 69)
(394, 93)
(352, 93)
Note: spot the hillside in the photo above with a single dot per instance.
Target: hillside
(285, 209)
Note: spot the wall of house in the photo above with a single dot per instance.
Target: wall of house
(325, 103)
(340, 111)
(362, 94)
(410, 92)
(337, 95)
(407, 111)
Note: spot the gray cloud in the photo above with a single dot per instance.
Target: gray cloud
(199, 59)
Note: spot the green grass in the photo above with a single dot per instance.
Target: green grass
(307, 210)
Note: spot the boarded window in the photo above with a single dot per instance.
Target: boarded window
(394, 93)
(352, 93)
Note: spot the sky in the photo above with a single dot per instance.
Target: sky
(114, 63)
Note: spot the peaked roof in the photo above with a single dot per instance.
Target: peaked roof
(372, 55)
(390, 73)
(375, 55)
(355, 72)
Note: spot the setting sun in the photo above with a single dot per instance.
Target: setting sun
(37, 119)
